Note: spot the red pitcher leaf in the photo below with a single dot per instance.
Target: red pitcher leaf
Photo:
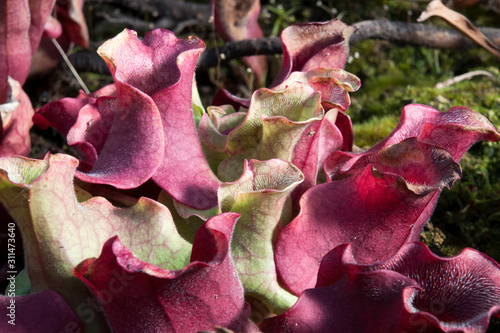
(204, 294)
(333, 84)
(458, 294)
(163, 67)
(122, 138)
(259, 196)
(60, 230)
(61, 114)
(150, 114)
(455, 130)
(15, 47)
(376, 211)
(15, 122)
(344, 124)
(359, 302)
(424, 167)
(237, 20)
(44, 312)
(153, 67)
(275, 121)
(312, 45)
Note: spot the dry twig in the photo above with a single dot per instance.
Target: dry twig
(465, 76)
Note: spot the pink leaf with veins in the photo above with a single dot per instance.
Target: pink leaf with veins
(204, 294)
(409, 168)
(122, 137)
(414, 291)
(454, 130)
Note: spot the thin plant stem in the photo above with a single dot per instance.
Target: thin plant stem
(75, 73)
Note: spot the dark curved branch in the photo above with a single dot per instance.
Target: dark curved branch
(233, 50)
(419, 34)
(399, 32)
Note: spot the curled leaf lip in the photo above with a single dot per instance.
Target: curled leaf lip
(15, 169)
(131, 264)
(271, 176)
(292, 178)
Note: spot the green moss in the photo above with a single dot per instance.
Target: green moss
(373, 130)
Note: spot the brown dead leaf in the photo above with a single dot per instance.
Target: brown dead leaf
(437, 8)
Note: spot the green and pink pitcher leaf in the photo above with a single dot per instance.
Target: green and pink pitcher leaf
(260, 196)
(203, 294)
(59, 231)
(272, 127)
